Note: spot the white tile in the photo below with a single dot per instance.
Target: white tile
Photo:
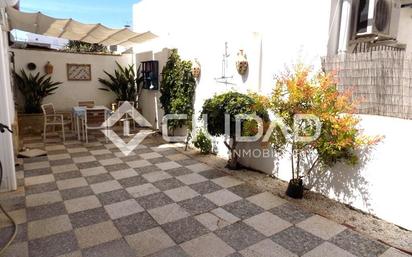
(119, 174)
(64, 168)
(168, 165)
(30, 181)
(227, 181)
(139, 163)
(121, 209)
(149, 241)
(181, 193)
(106, 186)
(142, 190)
(199, 167)
(151, 155)
(168, 213)
(71, 183)
(83, 159)
(36, 165)
(93, 171)
(267, 248)
(267, 223)
(207, 246)
(55, 157)
(190, 179)
(222, 197)
(112, 161)
(82, 204)
(156, 176)
(266, 200)
(321, 227)
(212, 222)
(225, 215)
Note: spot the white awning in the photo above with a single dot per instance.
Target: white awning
(39, 23)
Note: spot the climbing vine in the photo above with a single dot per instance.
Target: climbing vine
(177, 89)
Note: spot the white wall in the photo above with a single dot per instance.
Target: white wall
(275, 33)
(405, 25)
(267, 32)
(6, 114)
(380, 184)
(70, 92)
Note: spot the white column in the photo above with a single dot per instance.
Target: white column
(6, 117)
(345, 22)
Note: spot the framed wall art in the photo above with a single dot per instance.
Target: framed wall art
(79, 72)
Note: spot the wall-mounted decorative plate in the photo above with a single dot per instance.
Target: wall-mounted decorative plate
(79, 72)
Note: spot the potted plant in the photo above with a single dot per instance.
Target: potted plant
(231, 103)
(203, 142)
(177, 90)
(34, 89)
(123, 83)
(297, 93)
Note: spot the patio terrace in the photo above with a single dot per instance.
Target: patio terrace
(91, 200)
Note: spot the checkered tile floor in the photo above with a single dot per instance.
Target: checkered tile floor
(91, 200)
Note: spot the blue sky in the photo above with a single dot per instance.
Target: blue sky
(111, 13)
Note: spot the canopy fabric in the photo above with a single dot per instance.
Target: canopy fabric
(39, 23)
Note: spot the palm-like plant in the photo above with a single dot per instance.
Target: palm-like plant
(34, 89)
(123, 83)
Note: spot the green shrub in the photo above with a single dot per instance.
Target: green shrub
(34, 89)
(123, 83)
(177, 89)
(203, 142)
(232, 103)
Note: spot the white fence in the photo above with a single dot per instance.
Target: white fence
(381, 79)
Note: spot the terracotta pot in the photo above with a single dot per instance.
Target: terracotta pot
(196, 69)
(48, 68)
(242, 64)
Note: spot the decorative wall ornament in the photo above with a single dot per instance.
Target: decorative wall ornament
(242, 64)
(196, 69)
(48, 68)
(31, 66)
(79, 72)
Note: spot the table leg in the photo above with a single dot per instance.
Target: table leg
(78, 127)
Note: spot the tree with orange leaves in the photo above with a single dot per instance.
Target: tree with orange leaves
(297, 93)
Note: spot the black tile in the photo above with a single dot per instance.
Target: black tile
(114, 196)
(72, 193)
(239, 235)
(135, 223)
(184, 229)
(297, 240)
(358, 244)
(45, 211)
(88, 217)
(54, 245)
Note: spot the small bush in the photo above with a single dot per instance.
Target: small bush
(203, 142)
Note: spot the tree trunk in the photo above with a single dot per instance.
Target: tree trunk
(233, 160)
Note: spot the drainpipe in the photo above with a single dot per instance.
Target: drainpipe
(345, 22)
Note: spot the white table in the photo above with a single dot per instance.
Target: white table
(79, 112)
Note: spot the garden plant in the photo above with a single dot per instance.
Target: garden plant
(124, 83)
(298, 92)
(231, 103)
(34, 89)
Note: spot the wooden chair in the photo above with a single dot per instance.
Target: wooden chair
(94, 119)
(87, 104)
(128, 116)
(51, 118)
